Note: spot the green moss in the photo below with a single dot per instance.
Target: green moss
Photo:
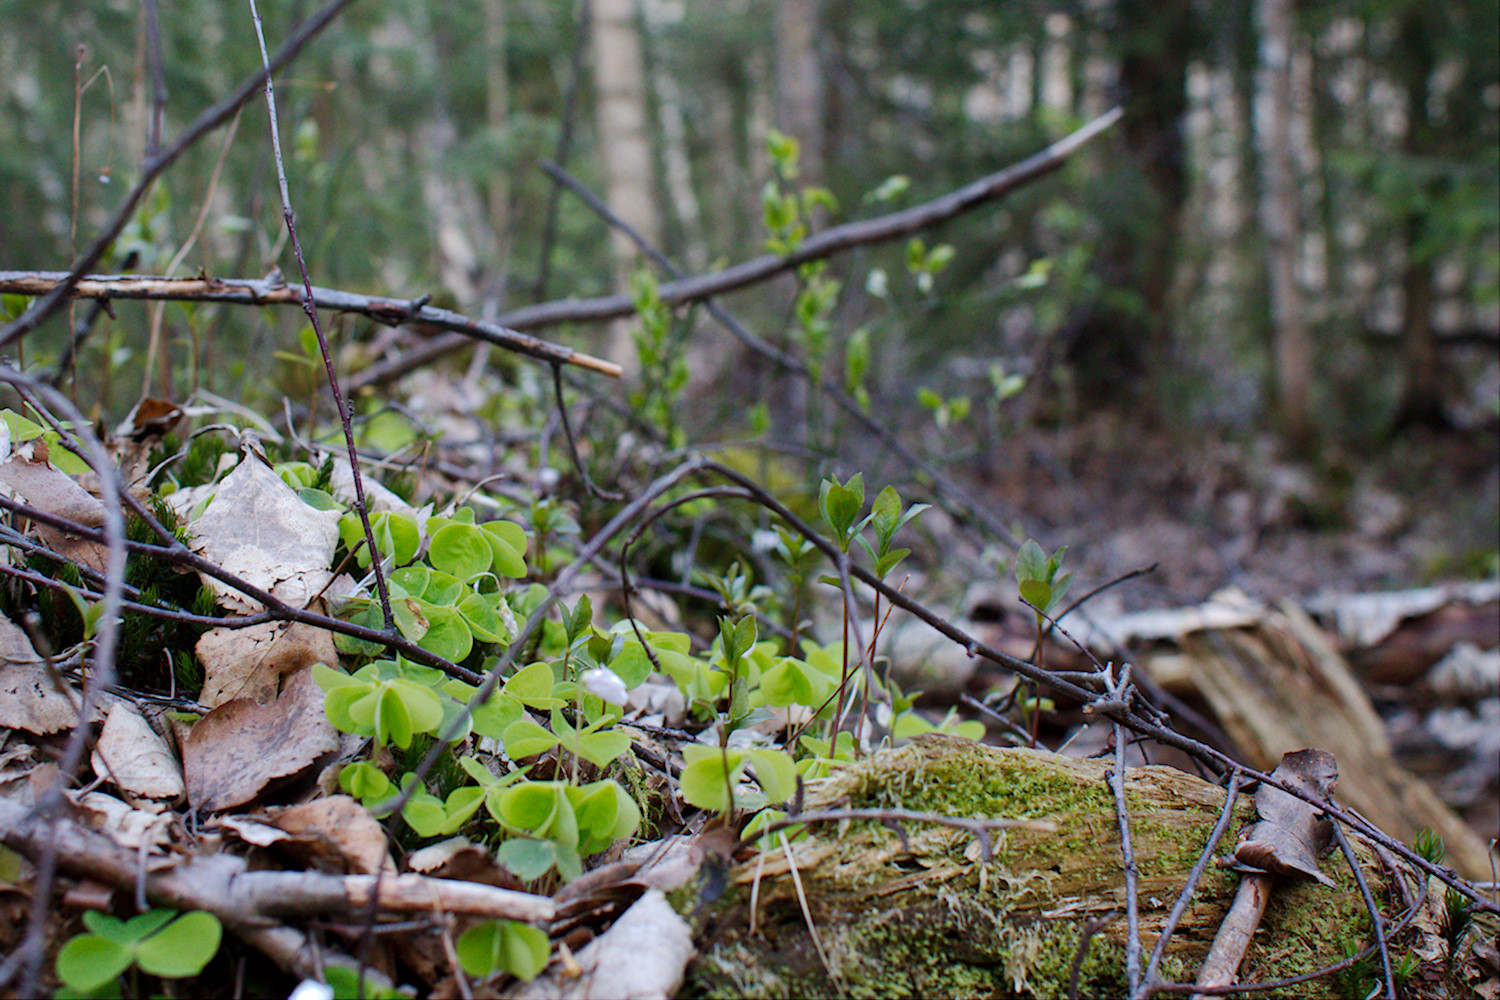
(927, 918)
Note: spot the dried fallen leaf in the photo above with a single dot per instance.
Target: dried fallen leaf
(29, 698)
(234, 752)
(135, 757)
(337, 832)
(259, 529)
(250, 662)
(137, 829)
(1292, 833)
(48, 489)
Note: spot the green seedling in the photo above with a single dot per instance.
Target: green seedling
(576, 820)
(503, 946)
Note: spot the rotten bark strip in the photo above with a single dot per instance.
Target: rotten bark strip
(1287, 840)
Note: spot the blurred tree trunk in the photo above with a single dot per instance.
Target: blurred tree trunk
(799, 83)
(497, 112)
(1421, 401)
(676, 163)
(624, 143)
(1293, 348)
(1155, 39)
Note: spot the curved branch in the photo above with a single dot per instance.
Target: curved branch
(767, 266)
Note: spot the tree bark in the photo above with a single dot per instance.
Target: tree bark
(799, 83)
(1422, 401)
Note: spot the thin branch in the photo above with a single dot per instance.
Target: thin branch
(309, 306)
(765, 267)
(112, 534)
(1174, 916)
(945, 486)
(1127, 855)
(268, 291)
(1377, 923)
(979, 826)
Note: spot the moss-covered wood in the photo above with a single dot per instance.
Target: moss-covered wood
(930, 919)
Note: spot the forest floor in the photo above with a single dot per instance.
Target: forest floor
(1420, 510)
(1212, 513)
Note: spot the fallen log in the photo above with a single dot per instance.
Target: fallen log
(918, 911)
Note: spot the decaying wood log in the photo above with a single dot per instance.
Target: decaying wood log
(930, 917)
(1280, 686)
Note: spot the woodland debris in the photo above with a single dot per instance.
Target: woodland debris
(929, 917)
(32, 696)
(135, 757)
(1288, 839)
(1281, 686)
(222, 883)
(250, 662)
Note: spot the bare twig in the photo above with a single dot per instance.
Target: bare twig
(1127, 855)
(979, 826)
(1377, 922)
(1174, 916)
(267, 291)
(309, 306)
(112, 535)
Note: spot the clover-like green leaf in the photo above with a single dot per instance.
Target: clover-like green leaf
(705, 782)
(182, 948)
(365, 782)
(88, 961)
(527, 858)
(460, 549)
(605, 814)
(526, 738)
(517, 948)
(533, 686)
(776, 773)
(447, 633)
(601, 748)
(507, 541)
(478, 612)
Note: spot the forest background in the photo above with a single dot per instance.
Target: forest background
(1294, 229)
(1250, 334)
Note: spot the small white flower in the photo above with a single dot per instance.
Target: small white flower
(606, 684)
(310, 989)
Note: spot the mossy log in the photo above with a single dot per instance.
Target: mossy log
(930, 918)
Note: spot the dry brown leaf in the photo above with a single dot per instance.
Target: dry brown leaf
(250, 662)
(35, 480)
(458, 858)
(337, 832)
(259, 529)
(145, 828)
(29, 698)
(236, 750)
(1291, 833)
(135, 757)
